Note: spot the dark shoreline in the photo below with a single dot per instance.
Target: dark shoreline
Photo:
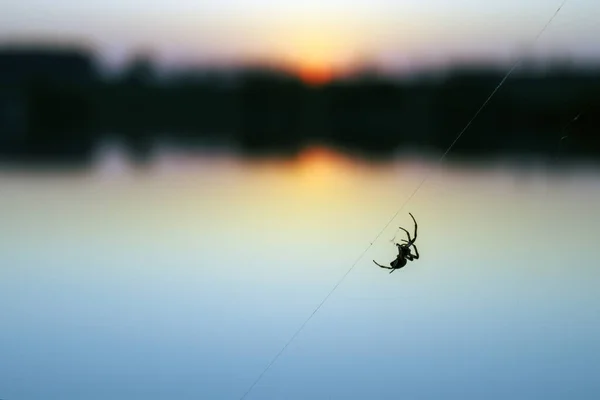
(56, 107)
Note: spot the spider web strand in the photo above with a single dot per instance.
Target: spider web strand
(341, 280)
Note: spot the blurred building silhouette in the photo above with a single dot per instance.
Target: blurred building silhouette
(55, 105)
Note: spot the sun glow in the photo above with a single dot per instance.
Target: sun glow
(313, 65)
(314, 74)
(317, 55)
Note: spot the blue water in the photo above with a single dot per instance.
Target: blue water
(182, 281)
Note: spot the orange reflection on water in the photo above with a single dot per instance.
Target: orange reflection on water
(319, 166)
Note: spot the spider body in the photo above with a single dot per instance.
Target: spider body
(404, 251)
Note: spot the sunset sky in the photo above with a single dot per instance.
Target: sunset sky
(309, 34)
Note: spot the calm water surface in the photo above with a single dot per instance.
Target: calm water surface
(183, 280)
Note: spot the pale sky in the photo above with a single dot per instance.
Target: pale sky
(313, 33)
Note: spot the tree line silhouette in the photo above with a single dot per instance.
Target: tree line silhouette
(54, 104)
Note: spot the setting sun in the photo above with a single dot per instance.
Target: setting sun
(315, 74)
(315, 53)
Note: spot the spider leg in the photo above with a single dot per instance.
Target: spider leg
(382, 266)
(416, 226)
(416, 255)
(407, 234)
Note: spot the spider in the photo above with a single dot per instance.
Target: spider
(404, 252)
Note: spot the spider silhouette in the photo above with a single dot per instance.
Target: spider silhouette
(404, 251)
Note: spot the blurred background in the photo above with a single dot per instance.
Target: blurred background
(182, 183)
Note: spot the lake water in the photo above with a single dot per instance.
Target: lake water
(183, 280)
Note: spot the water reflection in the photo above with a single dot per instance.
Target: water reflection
(184, 279)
